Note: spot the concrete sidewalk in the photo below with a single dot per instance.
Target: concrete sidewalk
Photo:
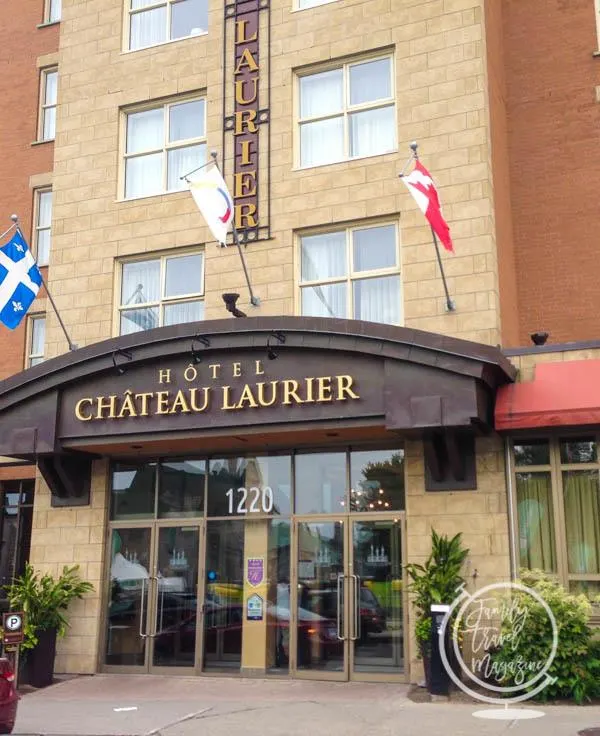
(130, 705)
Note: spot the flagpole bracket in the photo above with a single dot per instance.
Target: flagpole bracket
(450, 305)
(255, 301)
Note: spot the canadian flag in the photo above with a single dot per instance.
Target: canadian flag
(421, 186)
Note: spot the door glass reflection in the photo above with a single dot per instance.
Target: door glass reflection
(377, 593)
(177, 594)
(320, 596)
(128, 601)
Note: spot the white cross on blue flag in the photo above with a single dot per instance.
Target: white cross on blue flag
(20, 281)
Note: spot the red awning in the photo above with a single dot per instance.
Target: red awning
(565, 394)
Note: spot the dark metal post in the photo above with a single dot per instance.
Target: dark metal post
(450, 305)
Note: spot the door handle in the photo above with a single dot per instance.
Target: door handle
(356, 622)
(142, 635)
(340, 578)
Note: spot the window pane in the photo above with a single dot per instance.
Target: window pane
(231, 485)
(374, 247)
(322, 142)
(181, 489)
(148, 28)
(532, 452)
(43, 247)
(177, 314)
(145, 130)
(320, 483)
(50, 93)
(377, 300)
(588, 588)
(44, 209)
(136, 320)
(324, 256)
(49, 129)
(55, 11)
(141, 282)
(311, 3)
(578, 450)
(38, 336)
(181, 162)
(132, 491)
(536, 521)
(322, 94)
(328, 300)
(370, 81)
(189, 18)
(377, 480)
(184, 275)
(581, 492)
(186, 120)
(372, 132)
(143, 175)
(35, 361)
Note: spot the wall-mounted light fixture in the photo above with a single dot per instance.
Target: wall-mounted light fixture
(230, 304)
(120, 367)
(196, 354)
(280, 337)
(539, 338)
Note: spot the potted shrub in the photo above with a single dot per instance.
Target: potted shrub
(437, 581)
(44, 600)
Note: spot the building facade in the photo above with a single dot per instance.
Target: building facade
(245, 493)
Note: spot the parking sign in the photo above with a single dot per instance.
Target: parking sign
(12, 623)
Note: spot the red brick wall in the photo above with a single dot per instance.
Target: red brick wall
(554, 149)
(21, 43)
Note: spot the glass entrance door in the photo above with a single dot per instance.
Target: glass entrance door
(348, 612)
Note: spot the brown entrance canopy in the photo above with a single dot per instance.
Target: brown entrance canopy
(243, 376)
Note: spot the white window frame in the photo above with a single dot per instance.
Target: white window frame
(52, 11)
(316, 4)
(163, 301)
(352, 275)
(166, 147)
(44, 106)
(39, 228)
(347, 109)
(35, 358)
(153, 6)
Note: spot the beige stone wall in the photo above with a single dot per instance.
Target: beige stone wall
(74, 536)
(526, 363)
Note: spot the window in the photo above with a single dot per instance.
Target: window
(352, 273)
(348, 112)
(162, 291)
(162, 144)
(16, 520)
(156, 21)
(37, 338)
(53, 11)
(302, 4)
(43, 221)
(558, 509)
(49, 88)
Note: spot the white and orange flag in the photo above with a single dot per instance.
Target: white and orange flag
(421, 186)
(214, 202)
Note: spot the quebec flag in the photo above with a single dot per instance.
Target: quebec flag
(20, 281)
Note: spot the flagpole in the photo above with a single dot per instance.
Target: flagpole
(71, 344)
(450, 304)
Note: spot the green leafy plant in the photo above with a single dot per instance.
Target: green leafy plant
(44, 600)
(437, 581)
(576, 667)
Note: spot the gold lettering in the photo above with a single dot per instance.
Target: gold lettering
(106, 402)
(247, 396)
(244, 184)
(144, 397)
(180, 404)
(290, 389)
(259, 368)
(162, 400)
(128, 406)
(261, 393)
(214, 369)
(195, 406)
(245, 119)
(237, 369)
(239, 91)
(246, 161)
(164, 375)
(240, 32)
(190, 373)
(324, 384)
(78, 409)
(245, 219)
(310, 399)
(344, 386)
(246, 61)
(226, 405)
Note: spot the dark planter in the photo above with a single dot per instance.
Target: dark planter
(40, 659)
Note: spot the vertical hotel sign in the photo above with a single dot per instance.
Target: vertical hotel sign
(246, 101)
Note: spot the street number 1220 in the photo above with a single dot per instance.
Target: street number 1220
(251, 500)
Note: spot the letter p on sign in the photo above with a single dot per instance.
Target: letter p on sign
(12, 623)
